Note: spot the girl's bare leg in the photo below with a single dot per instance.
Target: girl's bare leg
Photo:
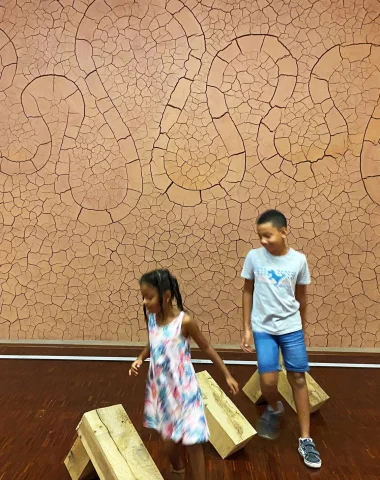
(174, 453)
(197, 461)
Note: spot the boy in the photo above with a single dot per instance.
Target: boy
(274, 306)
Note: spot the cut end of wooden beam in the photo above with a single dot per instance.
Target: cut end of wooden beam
(252, 389)
(114, 446)
(317, 395)
(229, 429)
(78, 462)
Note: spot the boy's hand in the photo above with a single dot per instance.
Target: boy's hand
(134, 370)
(232, 385)
(246, 342)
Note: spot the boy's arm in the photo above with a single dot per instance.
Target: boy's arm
(301, 297)
(247, 310)
(247, 304)
(303, 280)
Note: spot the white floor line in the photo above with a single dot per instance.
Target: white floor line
(194, 360)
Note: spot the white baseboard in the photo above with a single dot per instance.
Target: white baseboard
(103, 343)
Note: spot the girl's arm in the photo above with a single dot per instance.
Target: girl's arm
(134, 370)
(191, 329)
(145, 353)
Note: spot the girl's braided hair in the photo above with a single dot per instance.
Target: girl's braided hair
(163, 281)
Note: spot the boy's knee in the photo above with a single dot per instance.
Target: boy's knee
(297, 379)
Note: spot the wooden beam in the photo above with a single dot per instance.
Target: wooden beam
(317, 396)
(253, 390)
(229, 430)
(114, 446)
(78, 463)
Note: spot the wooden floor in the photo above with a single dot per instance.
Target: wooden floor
(43, 401)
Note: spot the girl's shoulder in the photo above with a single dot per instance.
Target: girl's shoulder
(187, 324)
(186, 318)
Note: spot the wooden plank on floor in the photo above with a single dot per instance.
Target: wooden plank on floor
(252, 388)
(78, 462)
(114, 446)
(317, 396)
(229, 429)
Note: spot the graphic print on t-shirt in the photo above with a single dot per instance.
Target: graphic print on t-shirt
(275, 309)
(278, 278)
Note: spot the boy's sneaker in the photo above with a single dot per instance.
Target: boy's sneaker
(268, 425)
(311, 457)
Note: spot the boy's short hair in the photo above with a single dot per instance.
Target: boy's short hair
(276, 218)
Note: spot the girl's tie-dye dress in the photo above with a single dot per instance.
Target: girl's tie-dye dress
(174, 405)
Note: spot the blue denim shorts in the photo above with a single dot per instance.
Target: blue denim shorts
(293, 350)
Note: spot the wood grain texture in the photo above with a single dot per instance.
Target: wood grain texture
(43, 402)
(114, 446)
(78, 462)
(253, 390)
(317, 396)
(229, 430)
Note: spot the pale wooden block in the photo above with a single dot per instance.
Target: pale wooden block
(317, 396)
(114, 446)
(78, 462)
(229, 430)
(252, 388)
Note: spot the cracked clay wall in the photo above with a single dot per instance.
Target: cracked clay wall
(145, 133)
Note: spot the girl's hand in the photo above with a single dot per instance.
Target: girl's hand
(134, 370)
(232, 385)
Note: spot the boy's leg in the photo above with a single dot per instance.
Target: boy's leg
(267, 351)
(267, 356)
(269, 388)
(296, 363)
(298, 383)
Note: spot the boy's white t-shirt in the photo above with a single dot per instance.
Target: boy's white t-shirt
(275, 309)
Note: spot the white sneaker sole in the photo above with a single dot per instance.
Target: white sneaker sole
(267, 437)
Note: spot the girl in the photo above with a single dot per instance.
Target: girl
(174, 405)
